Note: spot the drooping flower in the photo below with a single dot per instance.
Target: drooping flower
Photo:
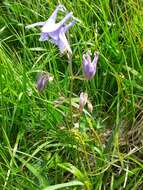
(82, 100)
(89, 66)
(56, 31)
(42, 81)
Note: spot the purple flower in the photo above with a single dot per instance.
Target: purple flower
(43, 80)
(90, 66)
(56, 31)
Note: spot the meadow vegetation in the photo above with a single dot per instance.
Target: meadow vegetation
(46, 143)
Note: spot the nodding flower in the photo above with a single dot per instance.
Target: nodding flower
(42, 81)
(55, 32)
(82, 100)
(89, 66)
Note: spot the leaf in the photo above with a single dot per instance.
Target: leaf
(37, 49)
(69, 167)
(62, 185)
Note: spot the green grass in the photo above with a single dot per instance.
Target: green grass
(40, 145)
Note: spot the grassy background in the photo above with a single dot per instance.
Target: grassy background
(38, 146)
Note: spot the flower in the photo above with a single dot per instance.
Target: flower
(88, 66)
(56, 31)
(82, 100)
(43, 80)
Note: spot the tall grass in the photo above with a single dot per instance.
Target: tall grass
(40, 147)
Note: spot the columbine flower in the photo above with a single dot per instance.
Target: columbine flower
(82, 100)
(43, 80)
(56, 31)
(88, 66)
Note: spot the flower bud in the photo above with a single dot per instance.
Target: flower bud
(90, 107)
(89, 66)
(82, 101)
(43, 80)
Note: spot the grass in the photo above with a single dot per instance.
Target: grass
(45, 142)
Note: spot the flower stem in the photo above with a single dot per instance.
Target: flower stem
(71, 88)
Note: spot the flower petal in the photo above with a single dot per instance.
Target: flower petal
(55, 35)
(44, 36)
(89, 71)
(96, 56)
(53, 17)
(35, 24)
(51, 27)
(67, 17)
(85, 62)
(88, 56)
(63, 42)
(67, 27)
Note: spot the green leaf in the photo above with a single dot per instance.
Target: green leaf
(62, 185)
(69, 167)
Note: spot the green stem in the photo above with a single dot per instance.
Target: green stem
(71, 88)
